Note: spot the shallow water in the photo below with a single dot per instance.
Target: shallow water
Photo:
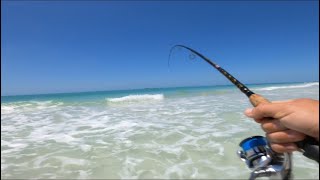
(176, 133)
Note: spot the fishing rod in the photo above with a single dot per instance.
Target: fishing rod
(309, 146)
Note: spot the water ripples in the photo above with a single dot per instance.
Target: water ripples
(178, 137)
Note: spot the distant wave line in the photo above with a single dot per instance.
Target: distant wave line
(138, 97)
(288, 87)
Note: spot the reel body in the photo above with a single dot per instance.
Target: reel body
(263, 161)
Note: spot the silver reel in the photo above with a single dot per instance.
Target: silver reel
(264, 162)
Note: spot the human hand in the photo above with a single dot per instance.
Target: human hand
(287, 122)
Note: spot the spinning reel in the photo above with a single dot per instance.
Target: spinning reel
(263, 161)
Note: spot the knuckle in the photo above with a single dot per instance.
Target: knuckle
(267, 127)
(260, 110)
(277, 148)
(299, 136)
(269, 136)
(261, 107)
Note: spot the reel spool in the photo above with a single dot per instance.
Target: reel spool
(262, 160)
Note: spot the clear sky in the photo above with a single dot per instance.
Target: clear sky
(68, 46)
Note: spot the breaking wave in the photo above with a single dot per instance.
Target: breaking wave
(137, 98)
(179, 137)
(289, 87)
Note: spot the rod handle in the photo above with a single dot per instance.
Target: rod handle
(309, 145)
(257, 99)
(310, 148)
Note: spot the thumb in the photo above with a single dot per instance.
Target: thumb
(248, 112)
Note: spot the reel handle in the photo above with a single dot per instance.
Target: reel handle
(309, 145)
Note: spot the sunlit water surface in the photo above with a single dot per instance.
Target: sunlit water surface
(178, 133)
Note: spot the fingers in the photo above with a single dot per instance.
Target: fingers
(284, 101)
(281, 123)
(287, 136)
(272, 125)
(286, 147)
(284, 141)
(273, 110)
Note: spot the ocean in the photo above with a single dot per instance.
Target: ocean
(164, 133)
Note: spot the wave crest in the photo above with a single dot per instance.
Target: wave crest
(289, 87)
(137, 98)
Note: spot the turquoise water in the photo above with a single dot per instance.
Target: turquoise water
(190, 132)
(101, 95)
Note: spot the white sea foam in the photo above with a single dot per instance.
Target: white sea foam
(180, 138)
(289, 87)
(137, 98)
(6, 109)
(71, 161)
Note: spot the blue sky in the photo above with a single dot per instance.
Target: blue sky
(68, 46)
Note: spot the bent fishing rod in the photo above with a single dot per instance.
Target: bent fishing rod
(309, 146)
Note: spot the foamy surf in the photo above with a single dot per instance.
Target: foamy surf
(137, 98)
(180, 137)
(289, 87)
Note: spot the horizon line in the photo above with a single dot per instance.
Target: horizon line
(110, 90)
